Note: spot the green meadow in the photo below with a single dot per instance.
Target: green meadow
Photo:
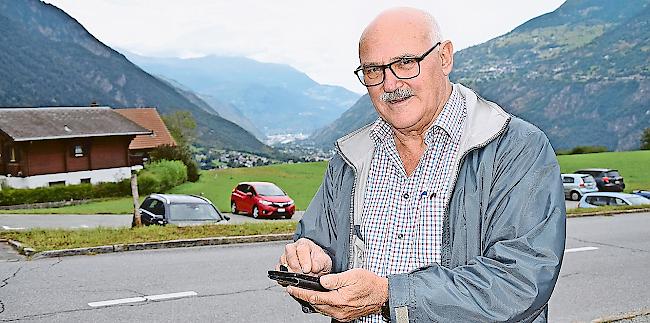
(301, 181)
(634, 166)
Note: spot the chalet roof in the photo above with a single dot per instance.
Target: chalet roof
(150, 119)
(25, 124)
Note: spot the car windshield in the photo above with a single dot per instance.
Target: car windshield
(193, 212)
(588, 179)
(269, 190)
(638, 200)
(613, 174)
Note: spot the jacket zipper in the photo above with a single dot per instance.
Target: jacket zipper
(460, 162)
(351, 233)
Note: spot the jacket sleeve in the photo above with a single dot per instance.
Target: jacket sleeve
(326, 220)
(522, 247)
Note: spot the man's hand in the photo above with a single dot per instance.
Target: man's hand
(304, 256)
(355, 293)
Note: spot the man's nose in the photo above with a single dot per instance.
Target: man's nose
(391, 82)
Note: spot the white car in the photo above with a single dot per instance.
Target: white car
(577, 185)
(611, 198)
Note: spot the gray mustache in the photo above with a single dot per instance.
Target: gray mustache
(399, 94)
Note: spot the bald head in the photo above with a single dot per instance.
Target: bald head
(418, 23)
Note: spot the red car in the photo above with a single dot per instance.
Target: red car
(261, 199)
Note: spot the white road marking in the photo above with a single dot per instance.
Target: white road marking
(142, 299)
(172, 295)
(117, 301)
(10, 228)
(580, 249)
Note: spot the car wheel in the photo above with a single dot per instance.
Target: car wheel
(255, 212)
(575, 196)
(233, 208)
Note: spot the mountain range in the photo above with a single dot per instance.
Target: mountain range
(579, 73)
(48, 59)
(272, 98)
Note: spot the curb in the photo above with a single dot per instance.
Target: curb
(612, 212)
(148, 245)
(620, 317)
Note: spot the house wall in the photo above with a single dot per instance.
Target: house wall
(110, 152)
(95, 176)
(44, 157)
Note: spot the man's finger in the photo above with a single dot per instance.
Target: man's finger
(292, 257)
(303, 294)
(303, 249)
(321, 262)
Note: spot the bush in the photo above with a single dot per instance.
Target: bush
(582, 150)
(10, 196)
(182, 153)
(160, 176)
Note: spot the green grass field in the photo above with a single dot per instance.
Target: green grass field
(634, 166)
(301, 181)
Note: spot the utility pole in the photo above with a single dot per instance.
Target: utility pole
(137, 220)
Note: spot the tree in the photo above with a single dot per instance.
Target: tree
(645, 139)
(182, 126)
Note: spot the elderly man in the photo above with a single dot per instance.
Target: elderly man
(446, 208)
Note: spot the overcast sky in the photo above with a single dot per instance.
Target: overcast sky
(318, 38)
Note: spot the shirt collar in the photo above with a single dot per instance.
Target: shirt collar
(450, 121)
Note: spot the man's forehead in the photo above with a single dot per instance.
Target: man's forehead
(373, 51)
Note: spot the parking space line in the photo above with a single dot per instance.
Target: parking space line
(580, 249)
(142, 299)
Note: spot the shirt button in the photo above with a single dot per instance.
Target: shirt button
(405, 196)
(400, 236)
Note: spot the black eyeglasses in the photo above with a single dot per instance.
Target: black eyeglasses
(403, 68)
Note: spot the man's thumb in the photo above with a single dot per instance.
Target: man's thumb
(332, 281)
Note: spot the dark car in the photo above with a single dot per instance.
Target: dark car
(179, 209)
(261, 199)
(607, 180)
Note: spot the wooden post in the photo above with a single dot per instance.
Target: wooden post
(137, 220)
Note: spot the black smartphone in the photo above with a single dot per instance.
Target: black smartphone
(286, 278)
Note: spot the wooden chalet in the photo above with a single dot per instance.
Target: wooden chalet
(142, 145)
(49, 146)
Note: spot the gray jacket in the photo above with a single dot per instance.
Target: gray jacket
(503, 229)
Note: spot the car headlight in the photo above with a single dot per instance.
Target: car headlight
(265, 202)
(290, 202)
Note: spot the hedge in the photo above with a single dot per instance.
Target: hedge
(9, 196)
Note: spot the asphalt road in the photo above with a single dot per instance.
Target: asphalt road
(229, 283)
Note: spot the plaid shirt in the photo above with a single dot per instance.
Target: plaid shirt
(402, 215)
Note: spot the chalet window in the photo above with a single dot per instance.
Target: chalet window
(85, 181)
(12, 155)
(78, 151)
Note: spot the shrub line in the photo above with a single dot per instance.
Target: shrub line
(181, 243)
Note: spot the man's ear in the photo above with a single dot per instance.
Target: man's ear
(447, 56)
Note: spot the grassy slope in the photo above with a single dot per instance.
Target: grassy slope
(301, 181)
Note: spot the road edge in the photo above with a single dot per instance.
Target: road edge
(181, 243)
(613, 212)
